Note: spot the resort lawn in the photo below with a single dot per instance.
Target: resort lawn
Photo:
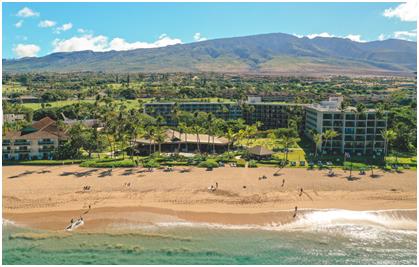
(45, 162)
(36, 106)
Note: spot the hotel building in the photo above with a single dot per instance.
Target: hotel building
(37, 141)
(358, 133)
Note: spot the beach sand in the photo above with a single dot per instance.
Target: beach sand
(48, 197)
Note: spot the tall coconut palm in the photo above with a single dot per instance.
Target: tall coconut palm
(317, 138)
(388, 136)
(329, 135)
(196, 126)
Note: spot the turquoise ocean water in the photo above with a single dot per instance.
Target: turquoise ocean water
(334, 237)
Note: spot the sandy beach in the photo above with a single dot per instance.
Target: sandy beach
(48, 197)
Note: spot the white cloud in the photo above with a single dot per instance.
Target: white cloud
(81, 30)
(405, 12)
(101, 43)
(27, 12)
(19, 23)
(198, 37)
(26, 50)
(47, 24)
(381, 37)
(406, 35)
(355, 38)
(87, 42)
(64, 27)
(323, 34)
(352, 37)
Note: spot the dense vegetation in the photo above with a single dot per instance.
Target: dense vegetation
(117, 101)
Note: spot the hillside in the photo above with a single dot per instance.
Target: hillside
(275, 53)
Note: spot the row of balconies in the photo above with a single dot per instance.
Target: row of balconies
(27, 150)
(27, 143)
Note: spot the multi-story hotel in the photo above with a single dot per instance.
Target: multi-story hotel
(271, 115)
(358, 133)
(224, 110)
(37, 141)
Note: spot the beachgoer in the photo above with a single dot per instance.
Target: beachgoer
(283, 182)
(295, 212)
(89, 207)
(301, 191)
(216, 185)
(71, 221)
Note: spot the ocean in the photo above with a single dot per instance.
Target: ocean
(318, 237)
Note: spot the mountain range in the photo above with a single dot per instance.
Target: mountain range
(272, 54)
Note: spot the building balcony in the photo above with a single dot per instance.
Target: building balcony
(46, 149)
(50, 142)
(22, 143)
(22, 150)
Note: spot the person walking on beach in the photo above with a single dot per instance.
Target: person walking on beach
(283, 182)
(295, 212)
(216, 185)
(301, 191)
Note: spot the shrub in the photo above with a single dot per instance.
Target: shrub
(108, 163)
(209, 163)
(41, 162)
(151, 164)
(241, 163)
(252, 164)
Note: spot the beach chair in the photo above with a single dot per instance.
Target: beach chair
(302, 163)
(293, 163)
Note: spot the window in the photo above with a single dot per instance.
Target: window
(350, 116)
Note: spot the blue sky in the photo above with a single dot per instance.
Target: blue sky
(37, 29)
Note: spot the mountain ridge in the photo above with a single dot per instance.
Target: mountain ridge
(272, 53)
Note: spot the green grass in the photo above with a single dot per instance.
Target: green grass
(42, 162)
(36, 106)
(108, 163)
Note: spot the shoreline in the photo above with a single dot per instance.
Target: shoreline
(117, 218)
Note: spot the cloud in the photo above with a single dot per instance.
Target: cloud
(355, 38)
(100, 43)
(323, 34)
(47, 24)
(352, 37)
(64, 27)
(19, 23)
(198, 37)
(405, 12)
(26, 50)
(27, 12)
(406, 35)
(381, 37)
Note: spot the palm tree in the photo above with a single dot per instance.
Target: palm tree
(329, 134)
(197, 128)
(287, 141)
(318, 139)
(388, 136)
(160, 136)
(209, 124)
(231, 137)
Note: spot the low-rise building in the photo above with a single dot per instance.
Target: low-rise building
(37, 141)
(14, 117)
(358, 133)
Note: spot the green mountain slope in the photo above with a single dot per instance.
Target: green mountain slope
(267, 53)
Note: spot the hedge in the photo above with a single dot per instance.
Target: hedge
(42, 162)
(209, 163)
(109, 163)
